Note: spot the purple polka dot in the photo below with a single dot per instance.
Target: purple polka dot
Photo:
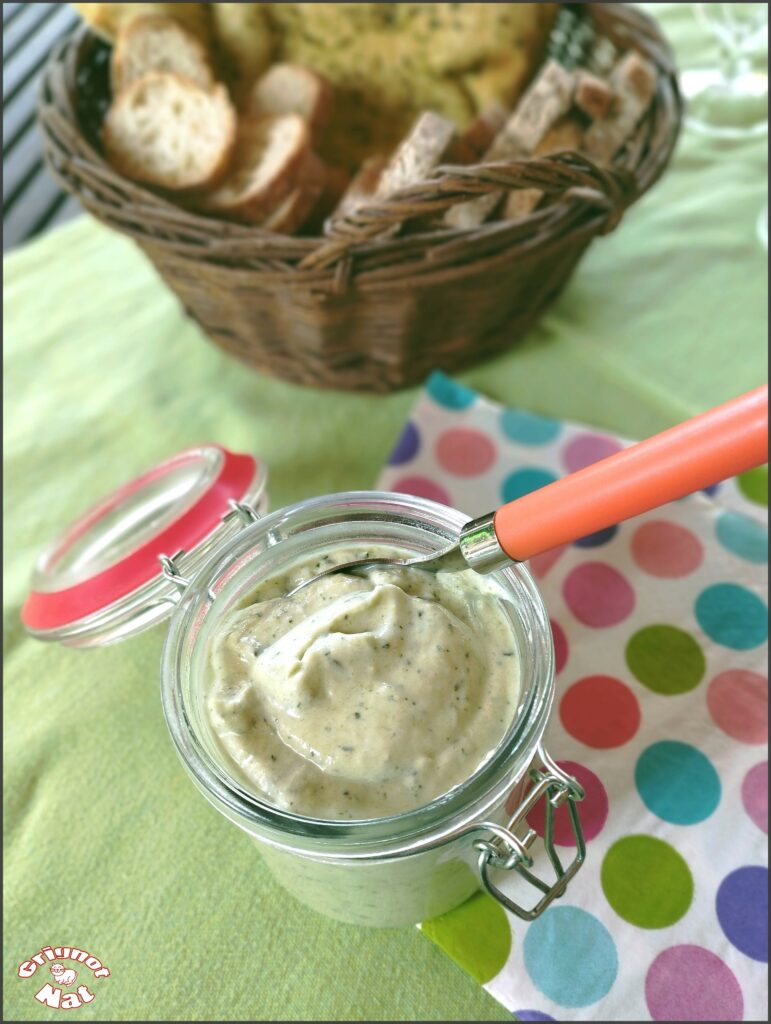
(531, 1015)
(598, 595)
(755, 795)
(742, 909)
(422, 487)
(596, 540)
(585, 449)
(691, 983)
(593, 809)
(407, 446)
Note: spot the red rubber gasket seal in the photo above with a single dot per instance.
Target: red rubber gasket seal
(45, 610)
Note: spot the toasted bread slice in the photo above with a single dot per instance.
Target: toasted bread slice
(167, 131)
(292, 89)
(429, 139)
(271, 155)
(153, 42)
(362, 186)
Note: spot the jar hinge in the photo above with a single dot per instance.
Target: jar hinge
(239, 510)
(506, 851)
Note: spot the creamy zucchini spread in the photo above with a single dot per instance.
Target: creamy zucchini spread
(362, 697)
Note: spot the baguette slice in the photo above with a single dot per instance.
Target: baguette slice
(475, 141)
(152, 42)
(292, 89)
(362, 186)
(167, 131)
(272, 155)
(427, 143)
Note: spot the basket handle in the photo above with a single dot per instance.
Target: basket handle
(568, 174)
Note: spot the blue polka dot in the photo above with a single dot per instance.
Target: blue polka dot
(596, 540)
(533, 1015)
(523, 481)
(742, 909)
(743, 536)
(449, 393)
(570, 956)
(677, 782)
(711, 490)
(406, 447)
(732, 616)
(527, 428)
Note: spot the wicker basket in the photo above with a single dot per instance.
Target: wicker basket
(358, 311)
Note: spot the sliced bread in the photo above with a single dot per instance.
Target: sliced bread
(362, 186)
(153, 42)
(166, 130)
(272, 155)
(292, 89)
(427, 143)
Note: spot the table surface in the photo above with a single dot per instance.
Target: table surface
(108, 845)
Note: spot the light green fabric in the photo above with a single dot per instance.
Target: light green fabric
(108, 845)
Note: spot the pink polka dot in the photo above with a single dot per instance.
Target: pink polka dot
(585, 449)
(601, 712)
(598, 595)
(666, 549)
(691, 983)
(540, 564)
(755, 795)
(465, 452)
(593, 809)
(560, 645)
(738, 702)
(422, 487)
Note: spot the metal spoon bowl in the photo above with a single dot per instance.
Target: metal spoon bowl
(477, 548)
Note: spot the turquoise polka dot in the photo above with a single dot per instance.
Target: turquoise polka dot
(732, 616)
(677, 782)
(527, 428)
(570, 956)
(449, 393)
(743, 536)
(523, 481)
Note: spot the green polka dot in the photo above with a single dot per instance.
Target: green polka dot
(646, 881)
(665, 659)
(476, 935)
(754, 485)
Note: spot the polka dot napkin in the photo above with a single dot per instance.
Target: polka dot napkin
(660, 627)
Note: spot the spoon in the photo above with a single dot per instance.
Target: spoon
(713, 446)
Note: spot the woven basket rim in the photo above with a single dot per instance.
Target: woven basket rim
(590, 197)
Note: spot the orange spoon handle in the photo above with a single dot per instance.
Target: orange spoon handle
(717, 444)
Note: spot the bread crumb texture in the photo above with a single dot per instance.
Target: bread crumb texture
(388, 62)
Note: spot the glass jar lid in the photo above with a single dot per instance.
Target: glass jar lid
(116, 570)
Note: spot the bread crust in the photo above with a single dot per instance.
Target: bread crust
(257, 202)
(261, 104)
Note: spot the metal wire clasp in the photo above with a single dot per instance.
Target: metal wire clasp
(505, 851)
(171, 571)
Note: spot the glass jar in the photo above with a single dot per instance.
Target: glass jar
(386, 871)
(188, 540)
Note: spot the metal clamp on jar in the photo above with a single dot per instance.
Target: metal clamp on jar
(188, 541)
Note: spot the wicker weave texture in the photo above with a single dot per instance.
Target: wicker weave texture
(371, 308)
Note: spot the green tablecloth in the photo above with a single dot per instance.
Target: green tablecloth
(108, 846)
